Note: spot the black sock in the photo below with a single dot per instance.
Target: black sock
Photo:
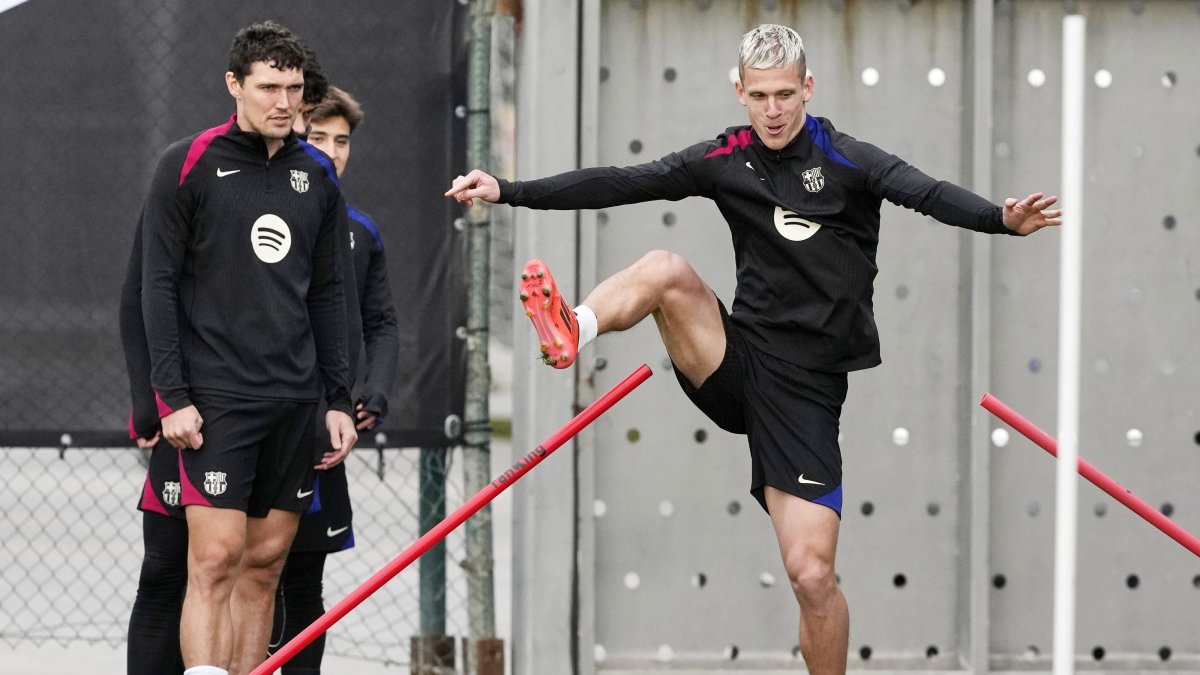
(297, 605)
(154, 622)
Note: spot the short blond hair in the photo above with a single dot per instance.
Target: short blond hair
(771, 46)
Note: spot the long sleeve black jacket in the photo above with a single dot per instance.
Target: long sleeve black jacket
(805, 226)
(242, 274)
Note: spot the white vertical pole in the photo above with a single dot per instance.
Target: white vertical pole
(1067, 502)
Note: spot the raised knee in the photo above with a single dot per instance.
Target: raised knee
(672, 269)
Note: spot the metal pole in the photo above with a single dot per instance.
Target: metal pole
(1094, 475)
(1067, 483)
(481, 499)
(478, 563)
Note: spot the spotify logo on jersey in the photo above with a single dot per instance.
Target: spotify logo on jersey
(792, 226)
(270, 238)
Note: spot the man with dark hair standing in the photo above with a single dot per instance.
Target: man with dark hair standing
(245, 321)
(802, 201)
(153, 647)
(327, 527)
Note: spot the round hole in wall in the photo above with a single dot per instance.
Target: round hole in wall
(1164, 653)
(1167, 509)
(999, 581)
(669, 74)
(635, 146)
(1169, 222)
(633, 435)
(1132, 581)
(933, 508)
(899, 581)
(1100, 509)
(868, 508)
(931, 651)
(734, 508)
(1098, 653)
(700, 435)
(668, 219)
(864, 652)
(603, 74)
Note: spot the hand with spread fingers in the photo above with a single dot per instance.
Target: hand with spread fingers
(1030, 214)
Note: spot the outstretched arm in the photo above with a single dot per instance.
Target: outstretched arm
(475, 184)
(1030, 214)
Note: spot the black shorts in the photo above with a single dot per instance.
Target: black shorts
(789, 415)
(257, 455)
(161, 493)
(326, 525)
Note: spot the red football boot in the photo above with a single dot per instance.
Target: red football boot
(555, 323)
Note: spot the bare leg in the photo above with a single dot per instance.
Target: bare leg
(253, 600)
(216, 538)
(684, 307)
(807, 535)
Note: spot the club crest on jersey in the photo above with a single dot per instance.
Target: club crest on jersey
(813, 180)
(214, 482)
(170, 493)
(299, 181)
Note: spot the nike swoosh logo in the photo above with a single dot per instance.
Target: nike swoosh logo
(804, 481)
(222, 174)
(330, 532)
(301, 494)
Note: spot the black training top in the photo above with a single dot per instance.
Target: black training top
(380, 325)
(241, 273)
(804, 222)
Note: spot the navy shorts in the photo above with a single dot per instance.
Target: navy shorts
(257, 455)
(789, 414)
(326, 525)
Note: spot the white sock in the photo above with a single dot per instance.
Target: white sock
(587, 324)
(205, 670)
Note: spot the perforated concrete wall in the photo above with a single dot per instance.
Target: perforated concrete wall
(680, 564)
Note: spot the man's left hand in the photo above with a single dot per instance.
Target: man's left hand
(1030, 215)
(342, 437)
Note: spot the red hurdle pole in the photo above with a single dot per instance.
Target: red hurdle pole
(1112, 487)
(439, 531)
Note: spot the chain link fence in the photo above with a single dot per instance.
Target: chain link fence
(71, 540)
